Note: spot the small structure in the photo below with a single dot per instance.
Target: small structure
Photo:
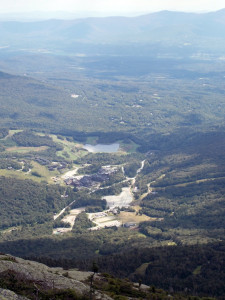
(135, 189)
(129, 225)
(114, 210)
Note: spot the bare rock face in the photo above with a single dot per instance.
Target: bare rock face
(40, 273)
(9, 295)
(41, 277)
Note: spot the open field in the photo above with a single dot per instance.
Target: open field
(141, 270)
(71, 150)
(43, 171)
(11, 173)
(131, 147)
(196, 181)
(126, 217)
(26, 149)
(45, 174)
(11, 133)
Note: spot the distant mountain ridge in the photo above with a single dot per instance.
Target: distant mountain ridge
(164, 29)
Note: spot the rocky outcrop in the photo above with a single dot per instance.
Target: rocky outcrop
(24, 279)
(42, 278)
(9, 295)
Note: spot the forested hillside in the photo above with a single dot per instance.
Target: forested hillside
(143, 111)
(24, 202)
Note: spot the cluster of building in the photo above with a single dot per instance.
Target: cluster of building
(88, 181)
(51, 165)
(107, 219)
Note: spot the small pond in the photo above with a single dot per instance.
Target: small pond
(110, 148)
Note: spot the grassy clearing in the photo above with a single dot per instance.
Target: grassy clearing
(141, 270)
(171, 244)
(196, 181)
(22, 175)
(141, 235)
(11, 133)
(126, 217)
(71, 150)
(137, 208)
(10, 229)
(43, 171)
(26, 149)
(40, 133)
(130, 148)
(12, 173)
(197, 271)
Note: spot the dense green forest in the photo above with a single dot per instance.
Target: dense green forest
(28, 139)
(26, 202)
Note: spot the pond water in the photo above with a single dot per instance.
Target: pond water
(110, 148)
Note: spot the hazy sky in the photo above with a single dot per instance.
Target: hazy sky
(109, 6)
